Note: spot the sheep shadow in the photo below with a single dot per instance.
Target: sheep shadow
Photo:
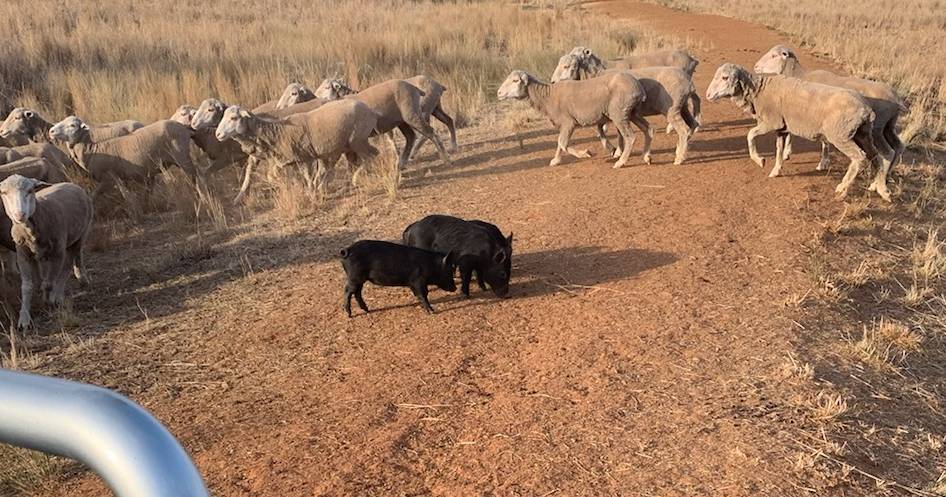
(161, 286)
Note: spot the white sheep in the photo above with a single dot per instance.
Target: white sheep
(27, 123)
(810, 110)
(137, 157)
(50, 226)
(321, 136)
(612, 98)
(43, 150)
(883, 100)
(667, 89)
(398, 104)
(184, 114)
(204, 122)
(293, 93)
(34, 167)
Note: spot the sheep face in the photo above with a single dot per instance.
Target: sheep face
(18, 123)
(208, 115)
(295, 93)
(235, 122)
(184, 114)
(70, 130)
(568, 68)
(773, 62)
(19, 197)
(515, 87)
(333, 89)
(730, 80)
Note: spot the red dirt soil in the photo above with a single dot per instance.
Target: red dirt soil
(646, 305)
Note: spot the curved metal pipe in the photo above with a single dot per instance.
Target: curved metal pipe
(118, 439)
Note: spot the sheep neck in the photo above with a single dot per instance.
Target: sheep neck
(793, 68)
(41, 130)
(538, 95)
(752, 86)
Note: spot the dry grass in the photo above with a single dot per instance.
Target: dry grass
(25, 470)
(108, 60)
(896, 42)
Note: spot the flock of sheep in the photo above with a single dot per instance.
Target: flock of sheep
(46, 220)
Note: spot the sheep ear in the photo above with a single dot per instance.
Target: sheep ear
(39, 185)
(336, 85)
(587, 52)
(85, 126)
(244, 113)
(28, 113)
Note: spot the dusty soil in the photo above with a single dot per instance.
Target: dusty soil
(639, 354)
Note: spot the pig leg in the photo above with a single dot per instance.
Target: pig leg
(479, 279)
(353, 289)
(466, 274)
(421, 293)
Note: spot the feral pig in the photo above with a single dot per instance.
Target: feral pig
(390, 264)
(478, 247)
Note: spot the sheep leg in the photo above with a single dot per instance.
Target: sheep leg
(605, 144)
(11, 264)
(426, 131)
(779, 149)
(697, 113)
(645, 128)
(58, 296)
(787, 152)
(247, 174)
(825, 160)
(445, 118)
(893, 141)
(78, 262)
(564, 134)
(865, 140)
(410, 137)
(759, 129)
(29, 270)
(884, 152)
(679, 123)
(857, 156)
(624, 130)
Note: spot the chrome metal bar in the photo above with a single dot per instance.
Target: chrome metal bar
(118, 439)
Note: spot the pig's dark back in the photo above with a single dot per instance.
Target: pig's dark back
(447, 233)
(375, 258)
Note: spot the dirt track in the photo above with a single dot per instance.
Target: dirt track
(646, 303)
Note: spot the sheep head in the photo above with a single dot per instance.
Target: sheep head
(236, 122)
(20, 122)
(569, 66)
(295, 93)
(515, 87)
(208, 115)
(775, 60)
(184, 114)
(70, 130)
(19, 197)
(731, 80)
(333, 89)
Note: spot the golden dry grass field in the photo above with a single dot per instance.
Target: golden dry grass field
(672, 330)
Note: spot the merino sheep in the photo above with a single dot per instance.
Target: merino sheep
(26, 123)
(591, 102)
(184, 114)
(8, 155)
(294, 93)
(33, 167)
(582, 63)
(44, 150)
(399, 105)
(204, 122)
(667, 89)
(883, 100)
(810, 110)
(322, 135)
(50, 226)
(135, 157)
(335, 88)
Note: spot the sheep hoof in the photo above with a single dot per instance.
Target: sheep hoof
(618, 165)
(759, 161)
(669, 128)
(677, 162)
(25, 322)
(616, 154)
(647, 160)
(554, 162)
(583, 154)
(774, 174)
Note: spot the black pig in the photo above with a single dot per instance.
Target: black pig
(390, 264)
(479, 247)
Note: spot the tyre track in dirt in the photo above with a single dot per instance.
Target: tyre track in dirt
(646, 304)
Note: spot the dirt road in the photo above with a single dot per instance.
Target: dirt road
(635, 356)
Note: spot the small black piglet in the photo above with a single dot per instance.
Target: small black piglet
(479, 247)
(390, 264)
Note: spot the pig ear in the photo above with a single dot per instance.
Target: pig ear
(500, 257)
(39, 185)
(509, 240)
